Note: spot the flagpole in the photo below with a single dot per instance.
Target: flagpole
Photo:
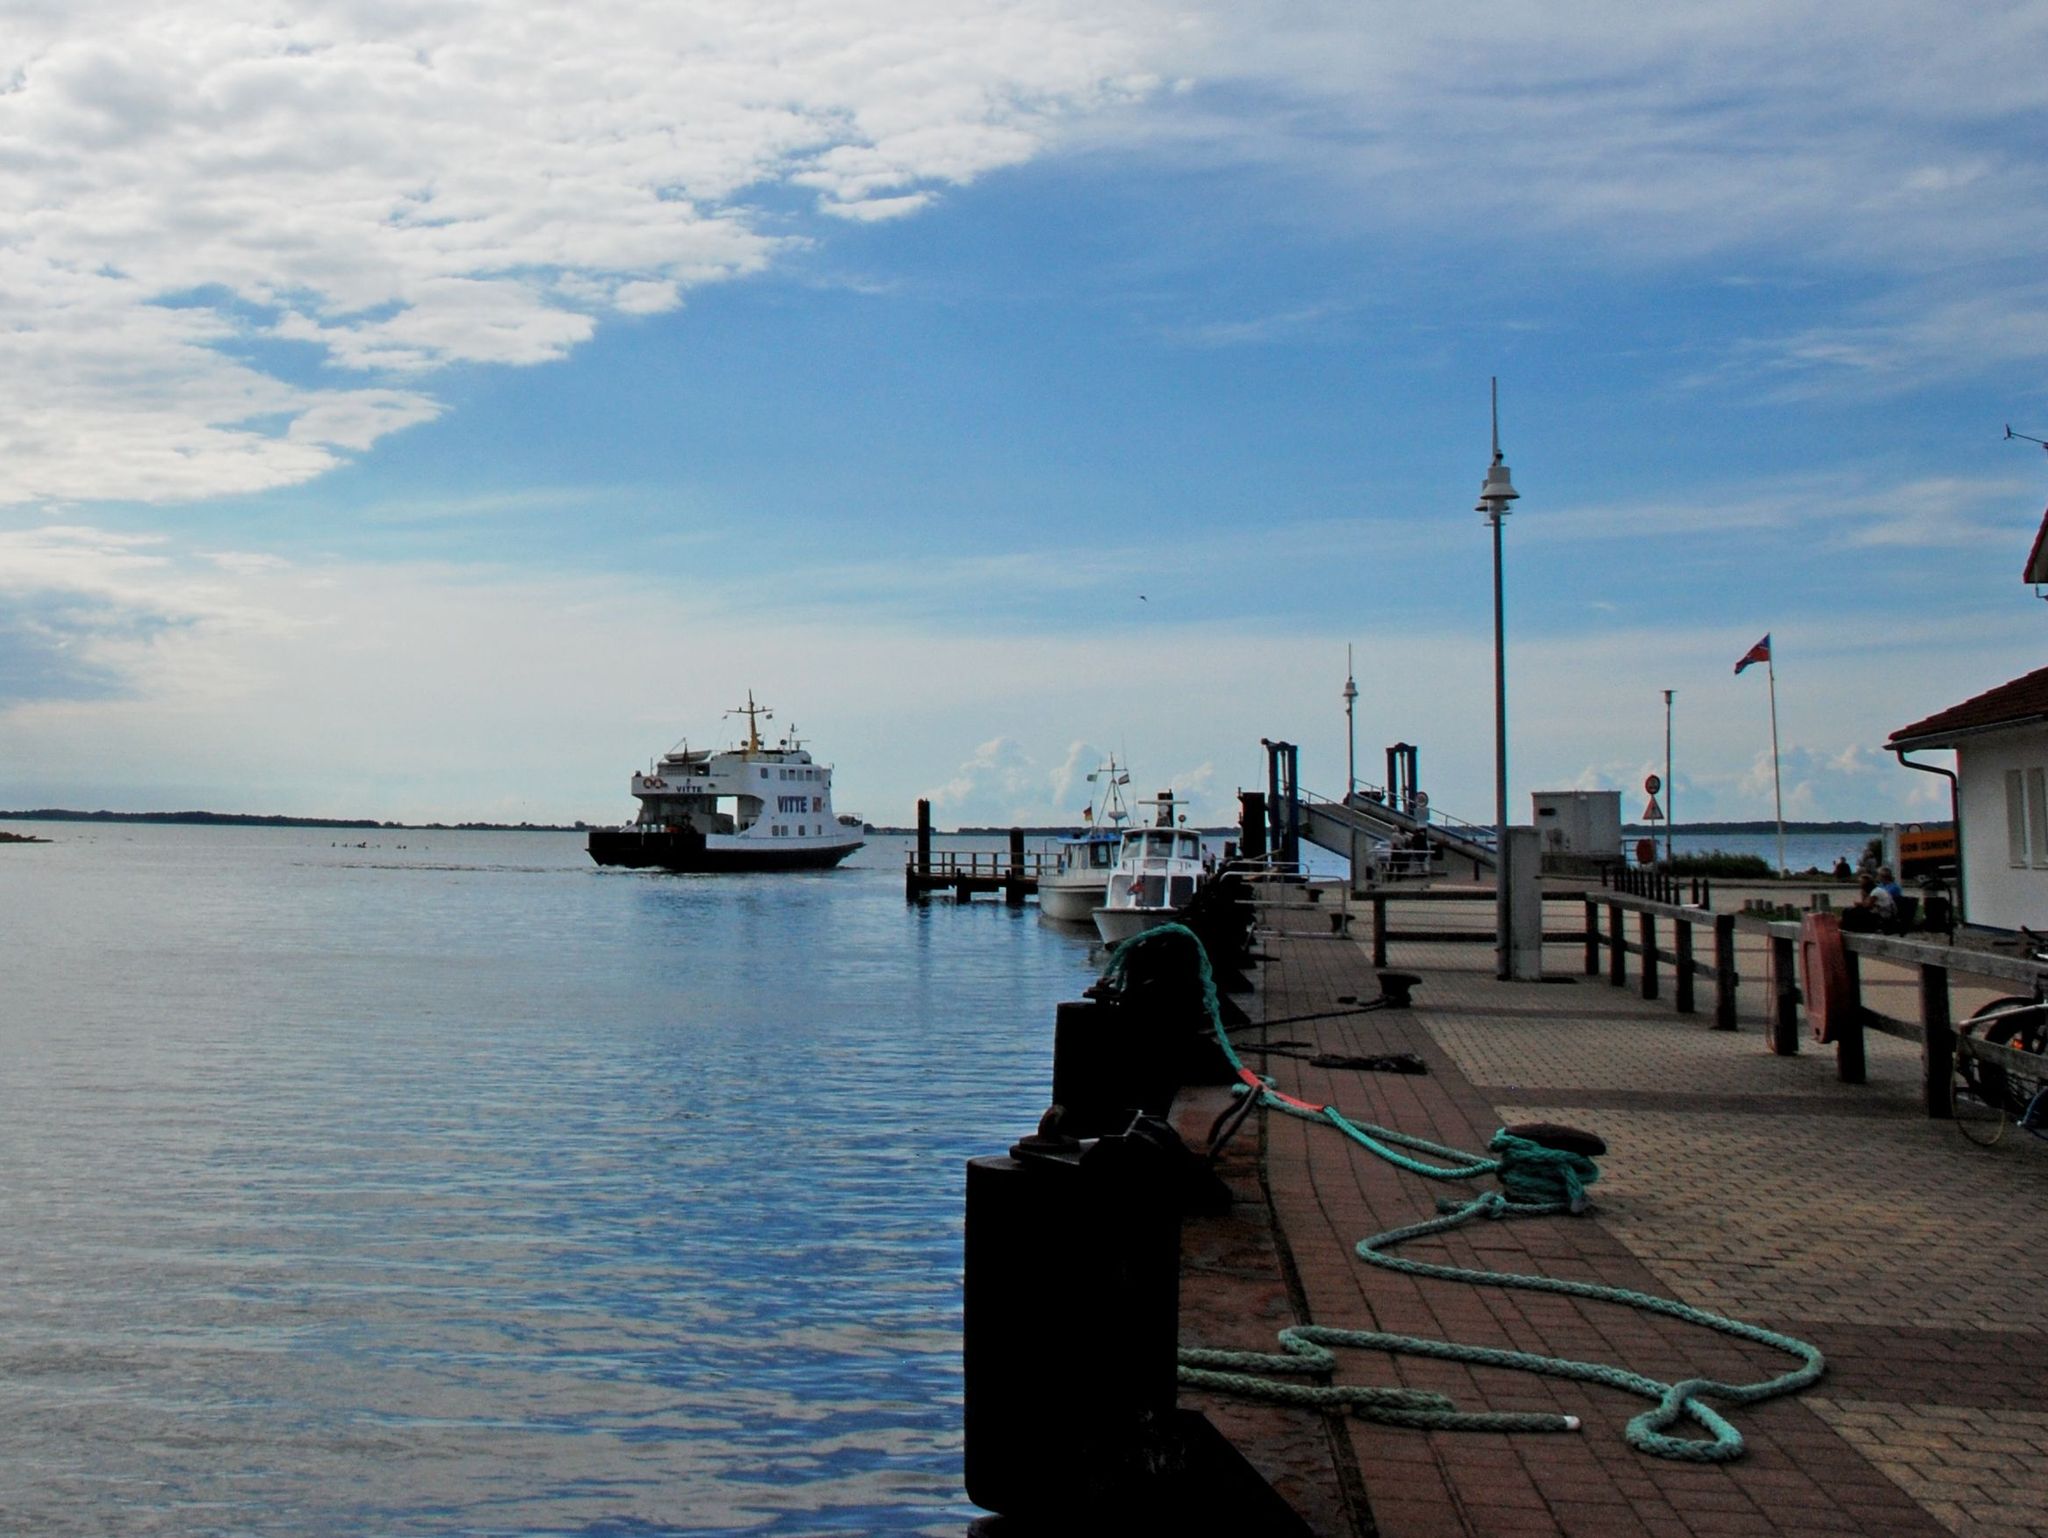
(1777, 789)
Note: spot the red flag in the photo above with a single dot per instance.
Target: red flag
(1761, 652)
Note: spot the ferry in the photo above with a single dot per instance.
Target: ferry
(754, 807)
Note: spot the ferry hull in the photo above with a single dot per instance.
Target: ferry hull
(692, 853)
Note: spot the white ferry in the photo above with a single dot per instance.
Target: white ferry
(749, 808)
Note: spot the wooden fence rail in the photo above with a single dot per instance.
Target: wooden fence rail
(1683, 918)
(1381, 934)
(1934, 963)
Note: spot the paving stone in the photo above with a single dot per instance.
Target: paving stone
(1747, 1184)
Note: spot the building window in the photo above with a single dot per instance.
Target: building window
(2015, 818)
(2037, 816)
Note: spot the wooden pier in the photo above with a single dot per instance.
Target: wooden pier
(969, 874)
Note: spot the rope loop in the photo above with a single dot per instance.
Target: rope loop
(1536, 1181)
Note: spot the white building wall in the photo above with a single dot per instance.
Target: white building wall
(1580, 822)
(2004, 795)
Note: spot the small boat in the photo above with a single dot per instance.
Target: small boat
(754, 807)
(1157, 871)
(1078, 883)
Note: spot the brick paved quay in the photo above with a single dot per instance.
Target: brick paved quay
(1747, 1184)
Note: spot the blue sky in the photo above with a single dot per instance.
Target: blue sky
(429, 413)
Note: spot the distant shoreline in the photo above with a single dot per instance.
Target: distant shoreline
(1060, 830)
(263, 820)
(1634, 830)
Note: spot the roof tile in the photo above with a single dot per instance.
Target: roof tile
(2023, 699)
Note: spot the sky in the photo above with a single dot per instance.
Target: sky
(434, 411)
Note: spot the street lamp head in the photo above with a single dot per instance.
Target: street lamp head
(1498, 491)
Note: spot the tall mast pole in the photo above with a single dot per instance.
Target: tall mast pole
(1350, 727)
(1494, 497)
(1670, 790)
(1777, 788)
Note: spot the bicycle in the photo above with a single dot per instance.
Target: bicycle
(1986, 1095)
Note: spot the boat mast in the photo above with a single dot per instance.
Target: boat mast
(754, 713)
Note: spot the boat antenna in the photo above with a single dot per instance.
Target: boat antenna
(755, 715)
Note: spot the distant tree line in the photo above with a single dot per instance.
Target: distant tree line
(261, 820)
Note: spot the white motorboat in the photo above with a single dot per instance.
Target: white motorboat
(1158, 870)
(1078, 883)
(754, 807)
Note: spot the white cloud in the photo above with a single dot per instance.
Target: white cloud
(210, 207)
(1919, 334)
(393, 190)
(335, 688)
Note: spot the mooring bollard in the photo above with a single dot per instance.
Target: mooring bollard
(1072, 1319)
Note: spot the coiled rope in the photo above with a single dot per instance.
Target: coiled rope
(1538, 1181)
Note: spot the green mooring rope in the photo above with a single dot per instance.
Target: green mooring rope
(1538, 1182)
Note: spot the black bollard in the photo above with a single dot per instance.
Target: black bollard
(1108, 1060)
(1072, 1312)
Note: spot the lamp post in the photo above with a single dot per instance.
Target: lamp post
(1494, 497)
(1670, 790)
(1350, 729)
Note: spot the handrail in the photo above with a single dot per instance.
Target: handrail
(1471, 832)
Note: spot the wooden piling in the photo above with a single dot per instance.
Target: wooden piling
(922, 865)
(1785, 1008)
(1937, 1042)
(1849, 1064)
(1725, 976)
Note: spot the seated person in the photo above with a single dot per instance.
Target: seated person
(1887, 882)
(1873, 909)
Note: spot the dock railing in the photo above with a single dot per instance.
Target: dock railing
(1382, 935)
(1604, 924)
(1667, 936)
(1606, 910)
(1933, 962)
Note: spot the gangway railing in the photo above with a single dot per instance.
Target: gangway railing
(1330, 824)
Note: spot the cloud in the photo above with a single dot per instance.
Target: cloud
(241, 244)
(1902, 341)
(1255, 330)
(339, 687)
(221, 221)
(999, 772)
(1846, 507)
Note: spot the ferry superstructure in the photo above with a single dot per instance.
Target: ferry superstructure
(754, 807)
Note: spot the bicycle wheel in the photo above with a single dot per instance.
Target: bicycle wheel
(1977, 1109)
(2025, 1101)
(1984, 1097)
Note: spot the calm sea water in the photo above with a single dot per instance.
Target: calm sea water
(1803, 851)
(452, 1185)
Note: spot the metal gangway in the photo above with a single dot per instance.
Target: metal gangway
(1371, 812)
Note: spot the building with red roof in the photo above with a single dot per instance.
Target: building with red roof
(2000, 784)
